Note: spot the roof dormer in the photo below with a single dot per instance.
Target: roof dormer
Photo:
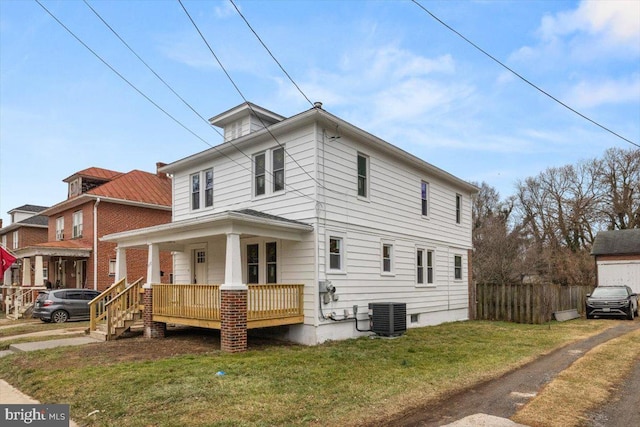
(88, 179)
(244, 119)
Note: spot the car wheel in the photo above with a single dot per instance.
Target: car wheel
(589, 316)
(59, 316)
(630, 314)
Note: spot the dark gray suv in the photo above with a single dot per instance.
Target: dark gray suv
(60, 305)
(612, 301)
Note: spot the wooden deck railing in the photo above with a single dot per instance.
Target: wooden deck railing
(124, 306)
(199, 305)
(97, 312)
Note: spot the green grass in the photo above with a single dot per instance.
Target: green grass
(28, 327)
(349, 382)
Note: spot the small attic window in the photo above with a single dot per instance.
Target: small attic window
(74, 187)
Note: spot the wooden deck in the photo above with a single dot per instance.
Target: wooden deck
(199, 305)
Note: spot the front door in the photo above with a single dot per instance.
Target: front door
(199, 257)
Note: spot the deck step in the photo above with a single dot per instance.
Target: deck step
(98, 335)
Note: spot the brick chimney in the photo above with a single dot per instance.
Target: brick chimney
(161, 174)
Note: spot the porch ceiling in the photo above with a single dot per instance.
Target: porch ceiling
(176, 235)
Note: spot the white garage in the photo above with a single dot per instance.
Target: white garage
(617, 255)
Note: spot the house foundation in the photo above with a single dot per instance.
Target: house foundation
(233, 320)
(151, 329)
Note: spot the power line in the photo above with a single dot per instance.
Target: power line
(120, 75)
(272, 56)
(523, 78)
(242, 95)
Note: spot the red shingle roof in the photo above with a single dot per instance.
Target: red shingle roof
(137, 186)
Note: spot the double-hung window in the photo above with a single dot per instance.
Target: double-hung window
(272, 262)
(77, 224)
(16, 240)
(387, 258)
(336, 253)
(424, 267)
(424, 197)
(195, 191)
(268, 172)
(202, 189)
(363, 174)
(457, 267)
(253, 263)
(60, 228)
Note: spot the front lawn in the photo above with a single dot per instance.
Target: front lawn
(350, 382)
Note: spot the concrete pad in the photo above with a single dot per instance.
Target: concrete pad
(484, 420)
(565, 315)
(43, 345)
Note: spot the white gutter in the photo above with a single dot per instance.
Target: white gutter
(95, 244)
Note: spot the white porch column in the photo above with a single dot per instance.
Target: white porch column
(26, 271)
(233, 263)
(121, 264)
(39, 279)
(153, 264)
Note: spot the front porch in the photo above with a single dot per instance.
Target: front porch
(123, 305)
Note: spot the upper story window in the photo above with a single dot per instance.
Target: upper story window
(195, 191)
(363, 174)
(16, 240)
(278, 169)
(77, 224)
(457, 267)
(269, 163)
(4, 240)
(424, 197)
(60, 228)
(200, 181)
(458, 208)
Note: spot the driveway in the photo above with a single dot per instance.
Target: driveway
(503, 396)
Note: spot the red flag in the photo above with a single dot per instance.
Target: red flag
(6, 259)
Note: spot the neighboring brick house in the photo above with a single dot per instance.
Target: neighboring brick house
(27, 228)
(99, 202)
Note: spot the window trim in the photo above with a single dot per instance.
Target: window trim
(60, 228)
(268, 263)
(269, 188)
(15, 244)
(366, 176)
(427, 269)
(112, 267)
(343, 253)
(424, 198)
(458, 208)
(77, 221)
(457, 268)
(202, 192)
(391, 245)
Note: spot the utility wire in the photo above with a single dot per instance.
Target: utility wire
(120, 75)
(269, 51)
(168, 86)
(521, 77)
(243, 97)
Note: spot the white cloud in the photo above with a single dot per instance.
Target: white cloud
(588, 94)
(225, 10)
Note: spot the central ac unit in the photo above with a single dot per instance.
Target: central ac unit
(388, 318)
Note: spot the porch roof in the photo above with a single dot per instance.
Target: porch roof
(63, 248)
(248, 222)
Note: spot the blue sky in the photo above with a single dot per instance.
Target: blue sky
(385, 66)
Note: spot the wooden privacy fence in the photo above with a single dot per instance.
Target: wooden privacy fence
(527, 303)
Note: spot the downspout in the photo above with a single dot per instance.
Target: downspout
(95, 244)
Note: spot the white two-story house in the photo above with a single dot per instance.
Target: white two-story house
(315, 201)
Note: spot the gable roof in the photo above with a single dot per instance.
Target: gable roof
(617, 242)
